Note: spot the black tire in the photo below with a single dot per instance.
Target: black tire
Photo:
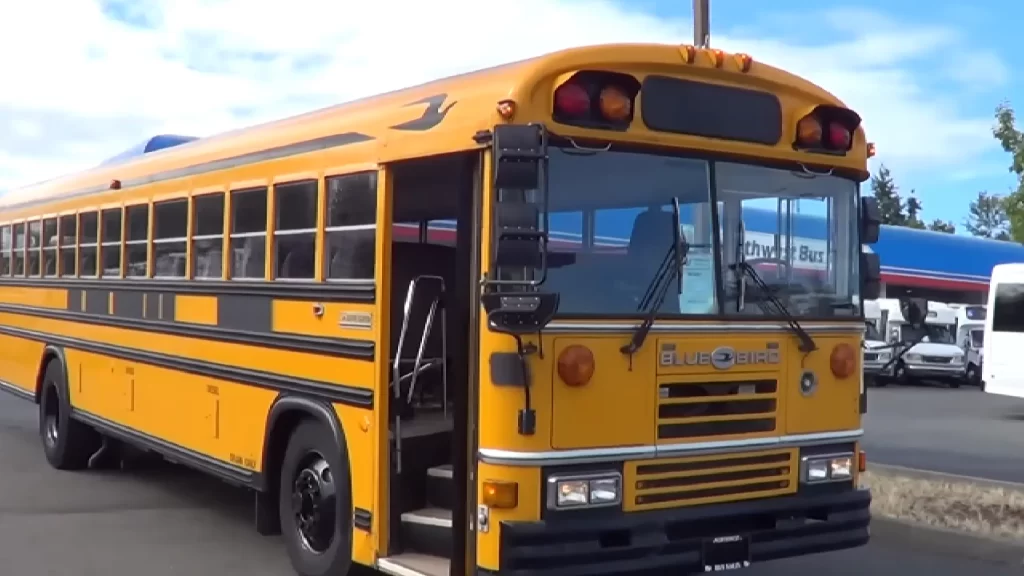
(67, 443)
(954, 383)
(325, 547)
(973, 375)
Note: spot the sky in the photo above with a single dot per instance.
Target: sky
(85, 79)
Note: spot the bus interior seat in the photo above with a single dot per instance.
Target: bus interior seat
(213, 263)
(409, 261)
(298, 263)
(649, 241)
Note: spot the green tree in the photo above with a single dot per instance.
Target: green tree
(942, 226)
(890, 205)
(1012, 141)
(913, 213)
(987, 218)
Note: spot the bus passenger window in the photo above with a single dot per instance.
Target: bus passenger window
(295, 230)
(170, 236)
(68, 238)
(19, 250)
(110, 257)
(136, 236)
(5, 251)
(87, 242)
(50, 247)
(351, 226)
(248, 232)
(208, 235)
(35, 244)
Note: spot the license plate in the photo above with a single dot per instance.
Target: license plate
(725, 553)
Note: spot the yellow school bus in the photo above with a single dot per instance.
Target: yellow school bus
(508, 322)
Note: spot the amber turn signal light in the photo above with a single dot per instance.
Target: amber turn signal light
(576, 365)
(500, 494)
(842, 361)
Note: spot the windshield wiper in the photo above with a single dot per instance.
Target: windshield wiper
(807, 343)
(657, 289)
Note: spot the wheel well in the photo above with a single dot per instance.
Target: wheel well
(49, 355)
(277, 443)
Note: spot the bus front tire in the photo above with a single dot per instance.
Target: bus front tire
(314, 501)
(67, 443)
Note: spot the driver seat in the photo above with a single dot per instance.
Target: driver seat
(649, 241)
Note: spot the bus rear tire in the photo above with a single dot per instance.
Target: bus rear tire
(67, 443)
(315, 502)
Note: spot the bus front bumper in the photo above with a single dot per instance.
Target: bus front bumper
(680, 541)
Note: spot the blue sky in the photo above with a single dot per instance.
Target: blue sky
(926, 77)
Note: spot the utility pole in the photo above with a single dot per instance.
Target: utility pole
(701, 24)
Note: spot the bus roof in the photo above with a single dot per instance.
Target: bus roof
(374, 117)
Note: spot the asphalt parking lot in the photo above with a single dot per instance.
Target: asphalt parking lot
(171, 522)
(962, 431)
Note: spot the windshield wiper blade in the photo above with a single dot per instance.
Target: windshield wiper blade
(657, 290)
(807, 343)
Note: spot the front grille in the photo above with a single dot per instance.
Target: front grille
(936, 359)
(705, 479)
(703, 410)
(870, 357)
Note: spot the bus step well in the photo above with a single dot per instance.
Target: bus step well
(428, 531)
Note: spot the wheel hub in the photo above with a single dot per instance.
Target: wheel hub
(314, 503)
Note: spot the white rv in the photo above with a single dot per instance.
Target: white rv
(877, 354)
(936, 355)
(970, 335)
(1001, 373)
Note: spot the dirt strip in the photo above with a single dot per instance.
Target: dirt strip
(985, 510)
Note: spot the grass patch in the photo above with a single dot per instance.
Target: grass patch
(984, 510)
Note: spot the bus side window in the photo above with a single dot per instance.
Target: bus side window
(351, 230)
(248, 233)
(170, 238)
(136, 245)
(35, 232)
(110, 255)
(68, 232)
(88, 240)
(295, 230)
(1008, 311)
(208, 235)
(5, 251)
(50, 247)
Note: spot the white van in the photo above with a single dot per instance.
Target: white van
(970, 335)
(877, 354)
(1001, 372)
(935, 356)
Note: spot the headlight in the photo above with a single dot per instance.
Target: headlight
(585, 491)
(883, 356)
(958, 359)
(912, 357)
(816, 469)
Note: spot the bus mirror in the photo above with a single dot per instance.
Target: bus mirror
(519, 241)
(870, 276)
(519, 151)
(914, 311)
(870, 220)
(519, 313)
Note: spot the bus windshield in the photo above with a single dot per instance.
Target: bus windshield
(798, 230)
(611, 211)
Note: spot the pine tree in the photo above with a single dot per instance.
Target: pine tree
(890, 205)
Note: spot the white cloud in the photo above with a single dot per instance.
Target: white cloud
(83, 87)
